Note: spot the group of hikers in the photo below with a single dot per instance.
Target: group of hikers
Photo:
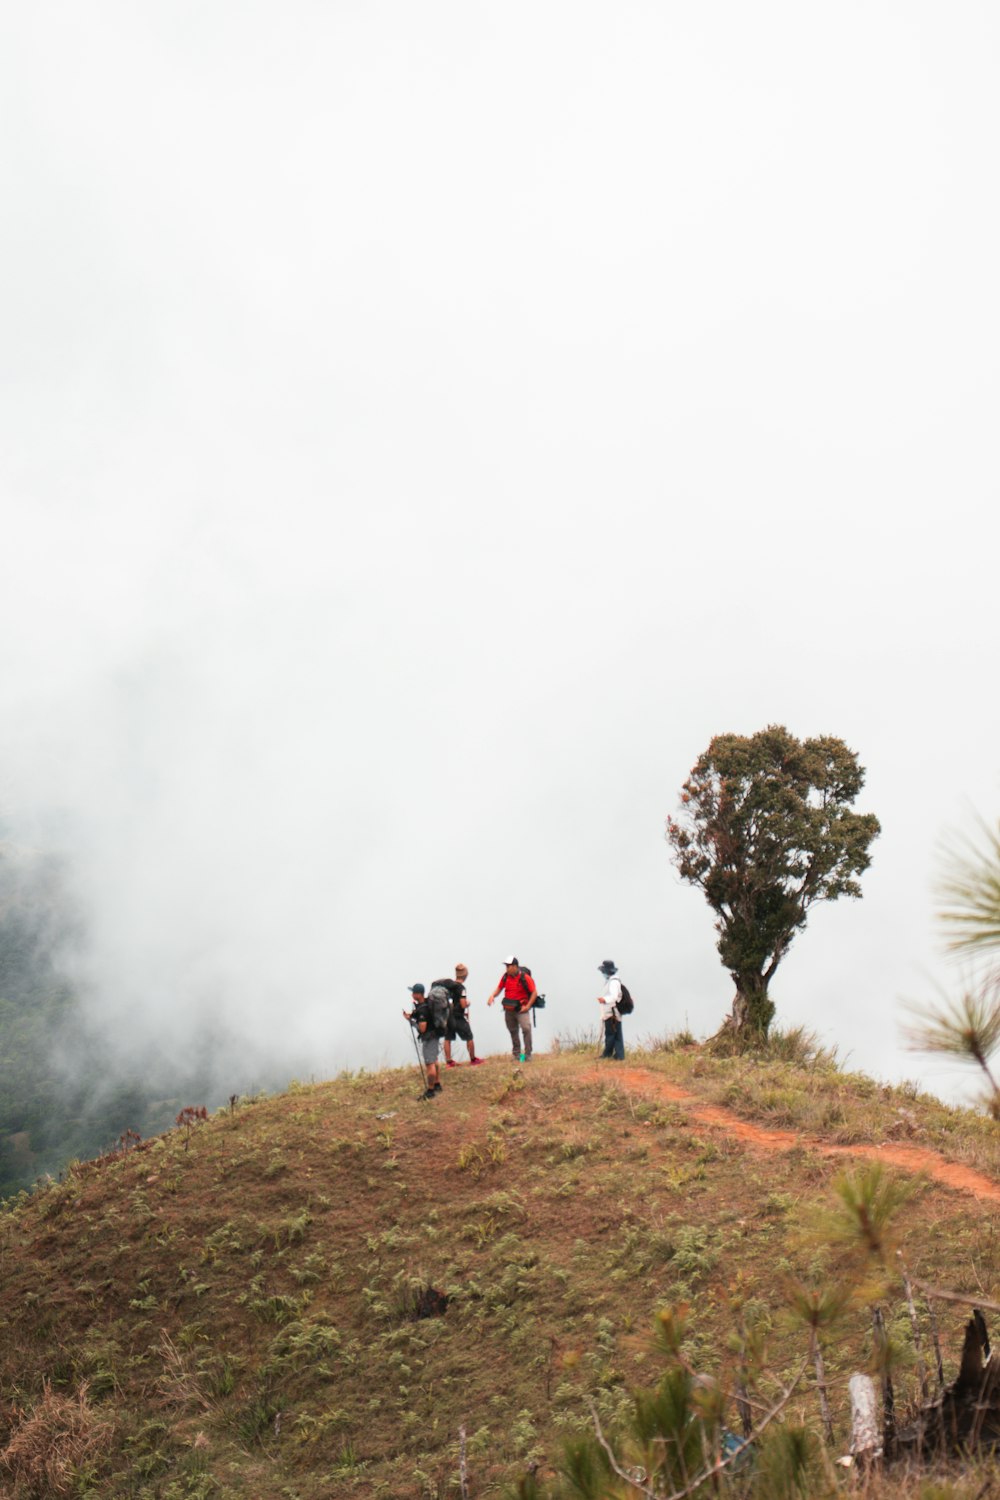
(440, 1016)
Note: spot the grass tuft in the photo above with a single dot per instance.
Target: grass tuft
(52, 1444)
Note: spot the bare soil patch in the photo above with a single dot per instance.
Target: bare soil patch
(915, 1159)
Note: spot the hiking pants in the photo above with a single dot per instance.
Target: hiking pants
(614, 1041)
(519, 1026)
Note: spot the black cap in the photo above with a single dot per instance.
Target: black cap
(416, 989)
(608, 966)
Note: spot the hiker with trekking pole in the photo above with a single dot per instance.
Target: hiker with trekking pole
(615, 1003)
(426, 1039)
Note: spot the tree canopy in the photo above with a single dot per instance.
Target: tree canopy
(766, 829)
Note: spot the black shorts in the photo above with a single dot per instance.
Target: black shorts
(459, 1026)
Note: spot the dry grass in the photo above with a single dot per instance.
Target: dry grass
(252, 1311)
(55, 1442)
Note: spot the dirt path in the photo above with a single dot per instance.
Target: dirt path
(908, 1158)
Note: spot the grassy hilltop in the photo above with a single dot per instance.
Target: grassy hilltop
(310, 1295)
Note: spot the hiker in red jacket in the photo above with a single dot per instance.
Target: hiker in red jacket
(518, 997)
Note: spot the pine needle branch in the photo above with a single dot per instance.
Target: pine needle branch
(714, 1469)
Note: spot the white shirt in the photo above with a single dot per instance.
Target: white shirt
(610, 999)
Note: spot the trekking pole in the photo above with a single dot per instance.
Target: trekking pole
(420, 1061)
(602, 1038)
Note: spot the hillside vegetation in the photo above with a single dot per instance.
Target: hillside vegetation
(312, 1295)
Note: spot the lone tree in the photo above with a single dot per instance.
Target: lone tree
(766, 830)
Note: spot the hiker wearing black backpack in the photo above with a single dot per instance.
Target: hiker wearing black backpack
(518, 997)
(429, 1030)
(458, 1025)
(615, 1003)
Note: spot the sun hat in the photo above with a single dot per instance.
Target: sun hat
(608, 966)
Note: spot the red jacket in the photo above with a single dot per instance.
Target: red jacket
(518, 990)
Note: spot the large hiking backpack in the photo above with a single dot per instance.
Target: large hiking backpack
(625, 1006)
(439, 1005)
(538, 1002)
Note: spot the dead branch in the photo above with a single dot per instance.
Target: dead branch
(966, 1301)
(918, 1343)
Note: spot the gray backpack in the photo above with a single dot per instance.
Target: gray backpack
(439, 1004)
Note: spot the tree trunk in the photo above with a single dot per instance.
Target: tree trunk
(824, 1405)
(752, 1010)
(880, 1342)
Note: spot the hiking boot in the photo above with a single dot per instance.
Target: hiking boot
(451, 1063)
(437, 1089)
(427, 1094)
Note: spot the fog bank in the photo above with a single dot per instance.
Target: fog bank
(422, 431)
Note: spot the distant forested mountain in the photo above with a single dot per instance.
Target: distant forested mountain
(59, 1098)
(48, 1112)
(65, 1092)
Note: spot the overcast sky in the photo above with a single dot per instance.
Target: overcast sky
(424, 426)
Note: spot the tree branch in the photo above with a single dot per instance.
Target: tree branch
(769, 972)
(635, 1483)
(943, 1296)
(714, 1469)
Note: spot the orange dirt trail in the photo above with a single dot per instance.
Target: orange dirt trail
(909, 1158)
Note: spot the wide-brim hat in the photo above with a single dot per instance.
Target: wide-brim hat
(608, 967)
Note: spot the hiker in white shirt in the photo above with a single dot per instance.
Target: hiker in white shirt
(614, 1043)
